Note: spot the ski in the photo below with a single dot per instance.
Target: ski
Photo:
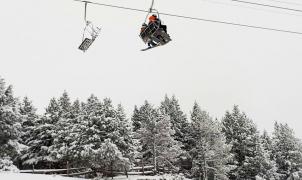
(148, 48)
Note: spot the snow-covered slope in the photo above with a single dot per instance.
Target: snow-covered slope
(136, 177)
(19, 176)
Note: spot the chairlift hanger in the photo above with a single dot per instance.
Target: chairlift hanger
(151, 10)
(90, 29)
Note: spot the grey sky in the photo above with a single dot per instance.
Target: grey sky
(216, 65)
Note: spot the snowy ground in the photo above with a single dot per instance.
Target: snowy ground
(22, 176)
(133, 177)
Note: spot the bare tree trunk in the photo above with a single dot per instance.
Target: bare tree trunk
(143, 168)
(67, 164)
(204, 165)
(154, 157)
(111, 169)
(126, 172)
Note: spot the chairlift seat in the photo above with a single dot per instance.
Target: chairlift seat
(153, 31)
(86, 44)
(150, 30)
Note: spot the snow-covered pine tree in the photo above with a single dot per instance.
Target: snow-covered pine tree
(70, 144)
(7, 165)
(267, 148)
(118, 129)
(53, 111)
(210, 153)
(42, 138)
(65, 105)
(241, 133)
(87, 131)
(156, 137)
(125, 141)
(10, 124)
(97, 122)
(76, 110)
(267, 142)
(180, 125)
(109, 158)
(29, 118)
(62, 136)
(139, 115)
(286, 150)
(135, 119)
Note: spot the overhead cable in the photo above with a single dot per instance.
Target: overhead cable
(286, 2)
(268, 5)
(196, 18)
(223, 2)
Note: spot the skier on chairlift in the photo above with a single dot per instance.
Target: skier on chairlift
(153, 32)
(150, 41)
(154, 19)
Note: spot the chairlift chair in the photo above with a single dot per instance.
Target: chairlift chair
(90, 33)
(153, 32)
(87, 40)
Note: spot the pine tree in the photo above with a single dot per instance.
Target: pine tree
(42, 139)
(125, 141)
(29, 123)
(267, 148)
(61, 138)
(210, 153)
(76, 110)
(241, 133)
(10, 124)
(140, 115)
(109, 157)
(178, 119)
(136, 119)
(53, 111)
(266, 141)
(286, 150)
(65, 105)
(156, 137)
(89, 132)
(96, 122)
(29, 118)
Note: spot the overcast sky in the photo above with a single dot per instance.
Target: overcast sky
(216, 65)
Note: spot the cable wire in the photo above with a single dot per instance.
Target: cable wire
(196, 18)
(267, 5)
(284, 2)
(249, 7)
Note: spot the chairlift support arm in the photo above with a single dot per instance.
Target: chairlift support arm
(151, 7)
(151, 10)
(85, 12)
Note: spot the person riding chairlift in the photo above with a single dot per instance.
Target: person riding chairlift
(154, 19)
(150, 41)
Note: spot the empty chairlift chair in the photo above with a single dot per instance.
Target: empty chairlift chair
(90, 33)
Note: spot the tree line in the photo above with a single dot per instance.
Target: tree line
(97, 134)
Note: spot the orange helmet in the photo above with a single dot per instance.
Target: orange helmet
(152, 18)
